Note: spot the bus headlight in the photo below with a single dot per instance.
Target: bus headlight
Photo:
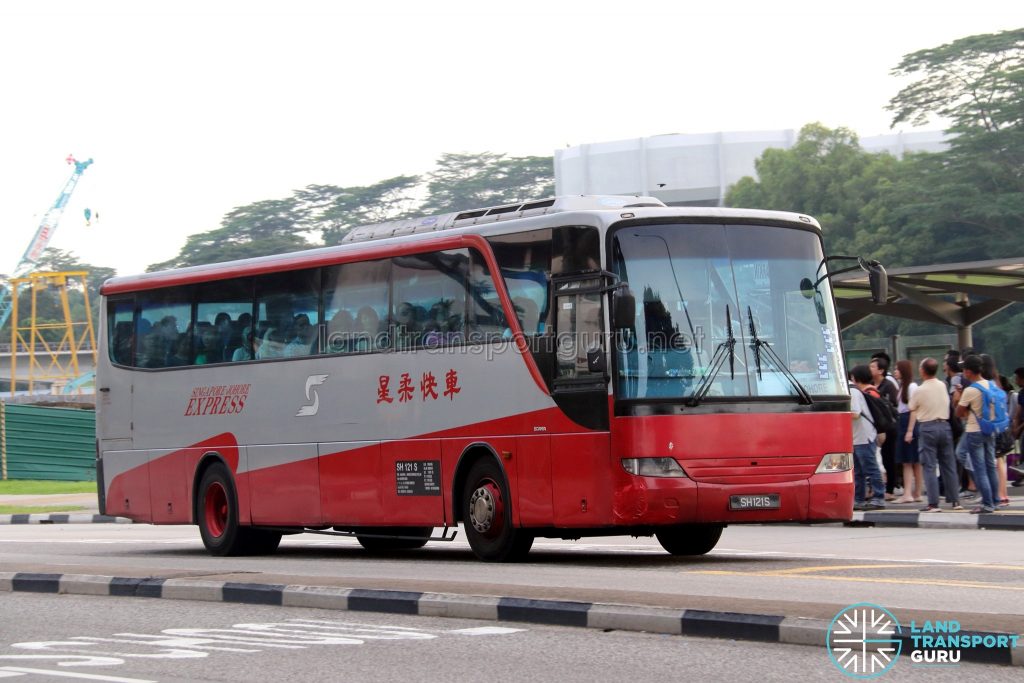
(653, 467)
(835, 462)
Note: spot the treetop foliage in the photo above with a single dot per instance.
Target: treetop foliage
(326, 213)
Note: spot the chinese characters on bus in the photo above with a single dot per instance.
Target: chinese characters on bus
(410, 389)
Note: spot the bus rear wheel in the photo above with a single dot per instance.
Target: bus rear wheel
(691, 539)
(376, 544)
(217, 515)
(487, 516)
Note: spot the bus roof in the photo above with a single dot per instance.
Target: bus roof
(375, 241)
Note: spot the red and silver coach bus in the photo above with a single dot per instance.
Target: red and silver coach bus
(570, 367)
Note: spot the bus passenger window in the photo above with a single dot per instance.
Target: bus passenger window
(119, 330)
(289, 304)
(487, 318)
(356, 307)
(223, 314)
(165, 329)
(429, 291)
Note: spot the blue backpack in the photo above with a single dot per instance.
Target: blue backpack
(992, 397)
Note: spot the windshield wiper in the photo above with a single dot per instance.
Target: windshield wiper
(723, 350)
(758, 345)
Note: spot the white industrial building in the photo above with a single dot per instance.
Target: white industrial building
(694, 170)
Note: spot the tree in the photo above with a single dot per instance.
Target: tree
(827, 175)
(267, 227)
(469, 181)
(971, 196)
(336, 210)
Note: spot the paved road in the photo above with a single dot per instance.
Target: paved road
(976, 576)
(63, 637)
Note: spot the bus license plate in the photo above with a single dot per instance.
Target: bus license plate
(760, 501)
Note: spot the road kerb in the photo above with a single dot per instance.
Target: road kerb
(671, 621)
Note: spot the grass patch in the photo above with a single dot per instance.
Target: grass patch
(37, 509)
(40, 488)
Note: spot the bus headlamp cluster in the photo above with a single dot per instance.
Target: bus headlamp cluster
(835, 462)
(653, 467)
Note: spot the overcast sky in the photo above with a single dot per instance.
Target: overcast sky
(192, 108)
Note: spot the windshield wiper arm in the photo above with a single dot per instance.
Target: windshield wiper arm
(717, 361)
(758, 345)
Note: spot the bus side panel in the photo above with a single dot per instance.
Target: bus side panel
(533, 467)
(168, 486)
(412, 491)
(581, 480)
(350, 483)
(504, 447)
(127, 484)
(284, 484)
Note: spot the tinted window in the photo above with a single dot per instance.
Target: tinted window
(486, 318)
(287, 314)
(429, 298)
(223, 322)
(119, 330)
(356, 307)
(164, 329)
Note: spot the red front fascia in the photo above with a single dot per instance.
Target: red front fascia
(733, 454)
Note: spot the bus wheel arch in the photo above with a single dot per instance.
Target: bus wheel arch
(208, 460)
(483, 504)
(216, 511)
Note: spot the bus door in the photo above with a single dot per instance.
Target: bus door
(579, 462)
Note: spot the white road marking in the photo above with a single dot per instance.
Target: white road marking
(21, 671)
(486, 631)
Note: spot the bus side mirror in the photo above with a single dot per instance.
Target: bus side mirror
(623, 310)
(879, 281)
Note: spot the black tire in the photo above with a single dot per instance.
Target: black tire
(690, 539)
(217, 516)
(487, 516)
(381, 545)
(260, 541)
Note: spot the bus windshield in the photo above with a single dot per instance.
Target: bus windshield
(731, 294)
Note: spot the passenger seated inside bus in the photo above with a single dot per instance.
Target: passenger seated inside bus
(273, 344)
(300, 337)
(407, 327)
(208, 349)
(367, 330)
(242, 352)
(339, 332)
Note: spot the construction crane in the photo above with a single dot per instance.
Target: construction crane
(47, 227)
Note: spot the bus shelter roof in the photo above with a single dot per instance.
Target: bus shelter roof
(954, 294)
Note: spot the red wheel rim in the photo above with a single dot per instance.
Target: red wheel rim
(487, 509)
(215, 506)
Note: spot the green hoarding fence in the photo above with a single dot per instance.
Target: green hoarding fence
(39, 442)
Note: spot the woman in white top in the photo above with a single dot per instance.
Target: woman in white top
(906, 453)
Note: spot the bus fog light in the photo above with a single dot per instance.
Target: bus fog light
(835, 462)
(653, 467)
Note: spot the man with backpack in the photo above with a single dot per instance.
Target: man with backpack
(865, 465)
(889, 389)
(983, 405)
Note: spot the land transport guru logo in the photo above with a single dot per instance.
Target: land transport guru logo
(865, 640)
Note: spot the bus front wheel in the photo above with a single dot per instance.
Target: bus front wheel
(217, 515)
(690, 540)
(487, 516)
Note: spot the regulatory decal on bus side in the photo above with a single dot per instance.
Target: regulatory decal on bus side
(418, 477)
